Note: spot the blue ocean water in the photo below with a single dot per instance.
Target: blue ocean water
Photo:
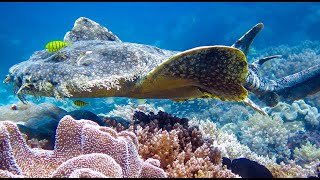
(28, 26)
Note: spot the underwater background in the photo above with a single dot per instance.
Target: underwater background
(289, 135)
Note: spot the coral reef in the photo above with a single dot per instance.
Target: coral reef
(307, 153)
(82, 149)
(193, 147)
(230, 147)
(180, 159)
(291, 170)
(180, 148)
(266, 136)
(297, 111)
(303, 137)
(297, 58)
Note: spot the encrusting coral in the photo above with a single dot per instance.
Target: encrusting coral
(82, 149)
(297, 111)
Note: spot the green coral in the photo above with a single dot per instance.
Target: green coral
(307, 153)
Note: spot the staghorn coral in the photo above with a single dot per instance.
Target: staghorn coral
(231, 147)
(262, 132)
(302, 138)
(307, 153)
(177, 160)
(159, 144)
(197, 164)
(290, 170)
(165, 137)
(295, 58)
(82, 149)
(226, 143)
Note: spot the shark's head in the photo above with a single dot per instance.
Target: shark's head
(71, 68)
(96, 60)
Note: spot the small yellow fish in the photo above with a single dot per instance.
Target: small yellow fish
(80, 103)
(55, 46)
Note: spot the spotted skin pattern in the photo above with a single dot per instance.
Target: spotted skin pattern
(99, 64)
(217, 70)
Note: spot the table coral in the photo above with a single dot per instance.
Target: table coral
(82, 149)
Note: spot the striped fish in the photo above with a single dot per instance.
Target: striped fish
(55, 46)
(80, 103)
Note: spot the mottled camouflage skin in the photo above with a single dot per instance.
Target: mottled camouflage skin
(111, 65)
(99, 64)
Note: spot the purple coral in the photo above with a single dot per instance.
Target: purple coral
(79, 151)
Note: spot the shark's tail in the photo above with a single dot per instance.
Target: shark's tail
(290, 88)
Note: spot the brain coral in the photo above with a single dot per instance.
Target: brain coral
(82, 149)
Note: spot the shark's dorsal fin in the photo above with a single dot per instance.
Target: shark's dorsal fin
(85, 29)
(246, 40)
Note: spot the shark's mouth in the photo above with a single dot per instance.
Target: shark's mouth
(41, 86)
(26, 83)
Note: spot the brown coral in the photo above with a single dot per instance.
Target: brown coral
(180, 148)
(82, 149)
(177, 160)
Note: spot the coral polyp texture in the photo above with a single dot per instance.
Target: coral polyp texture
(180, 148)
(82, 149)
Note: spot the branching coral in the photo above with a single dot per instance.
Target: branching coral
(180, 160)
(231, 147)
(290, 170)
(158, 138)
(261, 132)
(181, 149)
(307, 153)
(82, 149)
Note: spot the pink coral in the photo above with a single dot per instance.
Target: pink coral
(82, 149)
